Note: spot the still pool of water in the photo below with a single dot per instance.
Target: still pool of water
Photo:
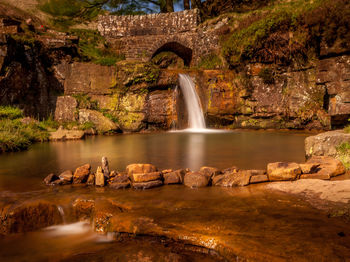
(23, 171)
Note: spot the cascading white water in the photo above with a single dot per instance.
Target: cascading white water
(195, 113)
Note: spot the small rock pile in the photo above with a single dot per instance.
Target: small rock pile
(145, 176)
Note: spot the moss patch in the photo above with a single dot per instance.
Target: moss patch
(343, 154)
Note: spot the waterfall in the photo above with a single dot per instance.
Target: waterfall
(61, 211)
(195, 113)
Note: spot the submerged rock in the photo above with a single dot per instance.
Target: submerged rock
(175, 177)
(196, 179)
(282, 171)
(81, 174)
(140, 168)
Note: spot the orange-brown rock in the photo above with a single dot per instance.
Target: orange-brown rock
(231, 179)
(196, 179)
(210, 171)
(258, 179)
(175, 177)
(308, 168)
(50, 178)
(66, 177)
(140, 168)
(282, 171)
(327, 167)
(147, 185)
(99, 177)
(28, 216)
(81, 174)
(146, 177)
(91, 180)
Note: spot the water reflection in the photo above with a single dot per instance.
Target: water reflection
(23, 171)
(195, 151)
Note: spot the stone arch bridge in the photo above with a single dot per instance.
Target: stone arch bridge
(141, 37)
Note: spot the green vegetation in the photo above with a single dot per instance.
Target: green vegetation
(86, 102)
(210, 61)
(16, 135)
(287, 32)
(343, 154)
(10, 112)
(93, 47)
(347, 129)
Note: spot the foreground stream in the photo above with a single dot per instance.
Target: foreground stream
(169, 223)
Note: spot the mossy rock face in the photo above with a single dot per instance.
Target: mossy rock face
(131, 121)
(102, 123)
(132, 102)
(132, 73)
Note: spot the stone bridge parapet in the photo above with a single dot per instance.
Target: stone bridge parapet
(141, 37)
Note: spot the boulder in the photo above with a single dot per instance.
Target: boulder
(140, 168)
(231, 179)
(91, 180)
(102, 123)
(210, 171)
(325, 144)
(196, 179)
(99, 177)
(112, 174)
(65, 134)
(282, 171)
(81, 174)
(147, 185)
(258, 179)
(66, 177)
(120, 181)
(146, 177)
(258, 176)
(50, 178)
(327, 167)
(308, 168)
(65, 110)
(175, 177)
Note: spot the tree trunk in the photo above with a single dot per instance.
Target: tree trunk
(186, 4)
(169, 6)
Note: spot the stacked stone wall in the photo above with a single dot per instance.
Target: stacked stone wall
(140, 37)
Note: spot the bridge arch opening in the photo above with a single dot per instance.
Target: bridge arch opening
(180, 50)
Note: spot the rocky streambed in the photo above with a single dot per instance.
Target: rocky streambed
(227, 221)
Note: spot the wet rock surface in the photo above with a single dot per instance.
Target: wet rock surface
(224, 224)
(281, 171)
(64, 134)
(81, 174)
(196, 179)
